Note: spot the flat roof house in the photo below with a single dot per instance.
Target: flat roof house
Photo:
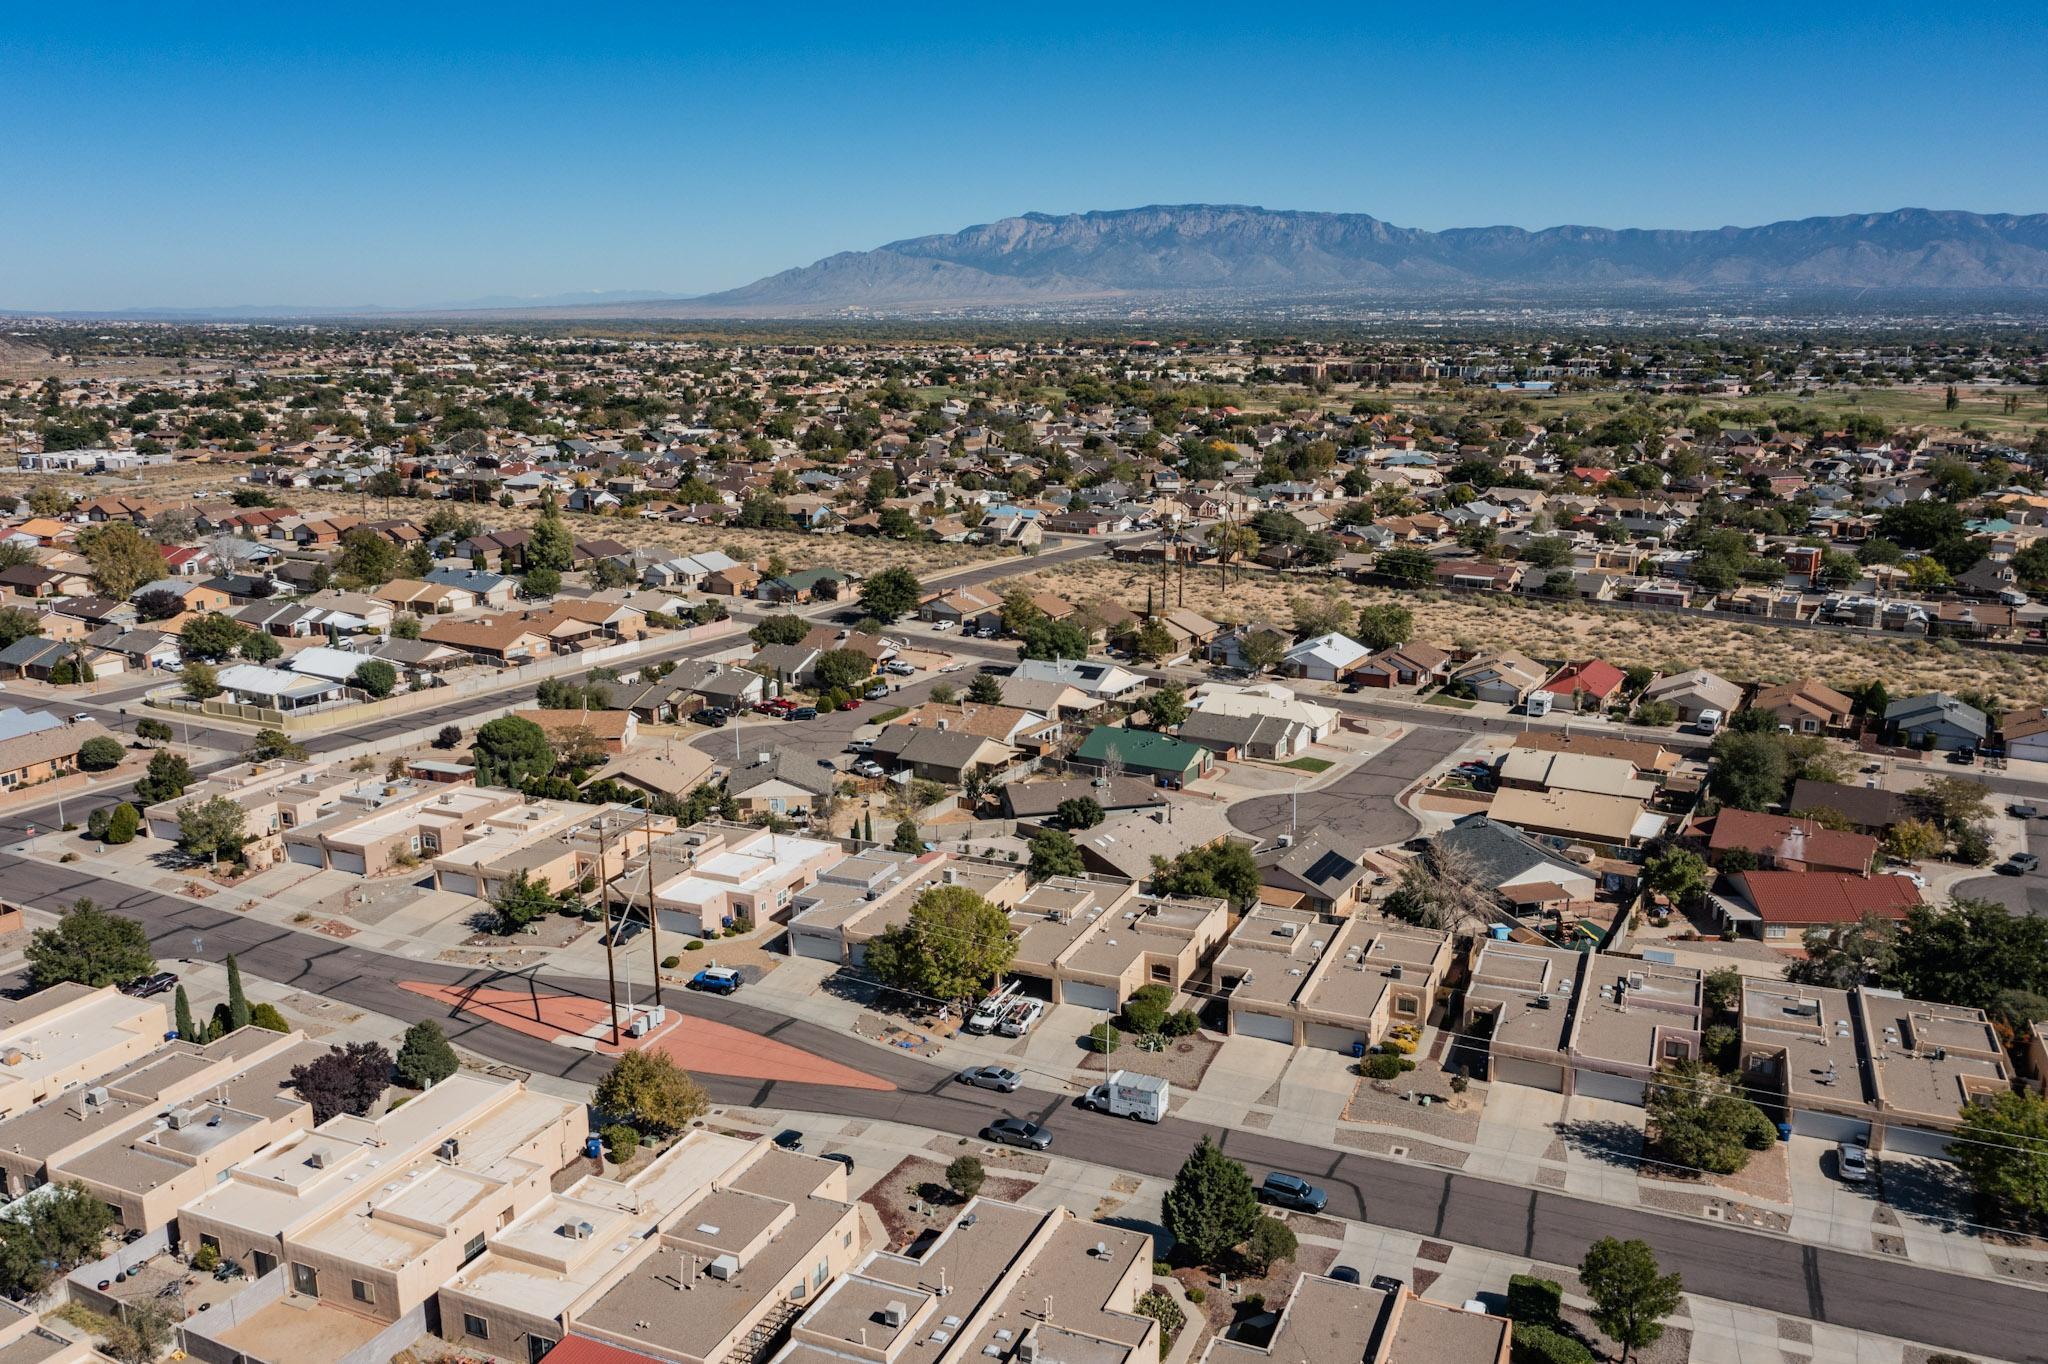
(1291, 976)
(1580, 1022)
(1330, 1322)
(1096, 942)
(60, 1036)
(709, 875)
(864, 894)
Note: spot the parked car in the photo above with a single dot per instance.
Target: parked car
(801, 713)
(789, 1139)
(2021, 811)
(1017, 1132)
(1292, 1191)
(941, 626)
(1966, 756)
(713, 716)
(1344, 1274)
(1852, 1163)
(717, 980)
(850, 703)
(841, 1158)
(867, 767)
(898, 668)
(142, 987)
(2022, 863)
(878, 692)
(999, 1078)
(1387, 1283)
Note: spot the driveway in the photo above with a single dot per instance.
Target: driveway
(1357, 809)
(2021, 894)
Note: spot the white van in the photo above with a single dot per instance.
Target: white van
(1539, 703)
(1709, 721)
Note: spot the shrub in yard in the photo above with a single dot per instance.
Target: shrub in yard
(964, 1176)
(207, 1258)
(1271, 1241)
(1198, 1295)
(1543, 1345)
(1385, 1065)
(1181, 1023)
(1102, 1037)
(1160, 1269)
(1161, 1307)
(1145, 1010)
(1534, 1300)
(622, 1140)
(694, 945)
(671, 962)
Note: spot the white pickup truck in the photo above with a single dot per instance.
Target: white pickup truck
(1129, 1095)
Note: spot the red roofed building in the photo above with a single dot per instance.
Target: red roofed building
(1787, 903)
(583, 1350)
(1783, 843)
(1584, 686)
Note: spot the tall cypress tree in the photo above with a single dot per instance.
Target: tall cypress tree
(181, 1012)
(238, 1003)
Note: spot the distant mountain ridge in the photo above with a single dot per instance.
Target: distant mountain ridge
(1232, 249)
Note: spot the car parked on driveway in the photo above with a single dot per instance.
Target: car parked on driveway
(999, 1078)
(1852, 1163)
(142, 987)
(1292, 1191)
(867, 767)
(789, 1139)
(717, 980)
(2021, 863)
(1017, 1132)
(2021, 811)
(878, 692)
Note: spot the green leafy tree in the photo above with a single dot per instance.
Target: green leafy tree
(907, 839)
(425, 1058)
(1212, 1206)
(1317, 616)
(212, 637)
(49, 1237)
(199, 681)
(166, 779)
(376, 677)
(89, 946)
(1271, 1241)
(521, 900)
(1079, 812)
(261, 647)
(1630, 1298)
(1969, 952)
(985, 690)
(2001, 1146)
(542, 582)
(1721, 990)
(1679, 873)
(238, 1001)
(551, 546)
(648, 1089)
(1698, 1119)
(843, 670)
(1750, 771)
(264, 1015)
(273, 745)
(152, 731)
(954, 945)
(1168, 706)
(367, 559)
(891, 594)
(1262, 651)
(1053, 853)
(508, 750)
(1045, 638)
(780, 630)
(100, 754)
(964, 1176)
(1382, 626)
(121, 558)
(1845, 956)
(212, 829)
(1223, 870)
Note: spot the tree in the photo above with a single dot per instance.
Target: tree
(1547, 552)
(843, 670)
(211, 829)
(1443, 890)
(648, 1089)
(1318, 616)
(424, 1057)
(1952, 802)
(121, 557)
(376, 677)
(1053, 854)
(448, 736)
(1721, 990)
(261, 647)
(1046, 638)
(2001, 1146)
(780, 630)
(541, 582)
(367, 559)
(200, 681)
(1681, 874)
(508, 750)
(1212, 1206)
(1698, 1119)
(181, 1016)
(1161, 1307)
(1382, 626)
(405, 627)
(1970, 952)
(1751, 771)
(211, 638)
(238, 1001)
(985, 690)
(1168, 706)
(964, 1176)
(159, 603)
(1844, 956)
(49, 1237)
(954, 945)
(273, 745)
(1630, 1298)
(1414, 567)
(167, 777)
(1839, 570)
(1078, 812)
(1262, 650)
(1153, 641)
(907, 839)
(551, 545)
(1219, 871)
(890, 595)
(17, 624)
(348, 1079)
(1270, 1242)
(100, 753)
(1914, 840)
(521, 900)
(89, 946)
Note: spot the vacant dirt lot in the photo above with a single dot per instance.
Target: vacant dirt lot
(1550, 632)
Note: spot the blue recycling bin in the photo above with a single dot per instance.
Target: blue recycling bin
(1357, 1050)
(593, 1147)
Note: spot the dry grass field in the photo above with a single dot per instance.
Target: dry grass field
(1551, 632)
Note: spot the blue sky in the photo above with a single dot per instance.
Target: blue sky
(194, 156)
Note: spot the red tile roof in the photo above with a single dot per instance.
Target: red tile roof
(1826, 897)
(1793, 840)
(1596, 676)
(584, 1350)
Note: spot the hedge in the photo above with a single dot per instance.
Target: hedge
(1541, 1345)
(1534, 1301)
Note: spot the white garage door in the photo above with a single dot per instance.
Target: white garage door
(1596, 1085)
(305, 854)
(462, 883)
(1828, 1126)
(1270, 1026)
(1331, 1037)
(346, 861)
(1098, 997)
(1916, 1141)
(1530, 1074)
(823, 946)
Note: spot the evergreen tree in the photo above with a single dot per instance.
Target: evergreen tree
(238, 1002)
(181, 1015)
(1212, 1206)
(425, 1058)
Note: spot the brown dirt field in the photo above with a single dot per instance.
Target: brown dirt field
(1551, 632)
(892, 1196)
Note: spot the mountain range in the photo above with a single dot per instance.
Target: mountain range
(1225, 251)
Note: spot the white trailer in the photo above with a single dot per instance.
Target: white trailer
(1129, 1095)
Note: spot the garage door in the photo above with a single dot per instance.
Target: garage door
(1828, 1126)
(1530, 1074)
(305, 854)
(1270, 1026)
(1916, 1141)
(1330, 1037)
(1099, 997)
(823, 946)
(462, 883)
(1617, 1088)
(346, 861)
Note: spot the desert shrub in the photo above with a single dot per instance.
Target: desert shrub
(1385, 1065)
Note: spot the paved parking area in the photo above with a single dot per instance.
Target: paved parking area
(1357, 809)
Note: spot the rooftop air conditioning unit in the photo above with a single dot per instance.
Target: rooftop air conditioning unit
(180, 1118)
(1540, 1002)
(1635, 980)
(1393, 972)
(723, 1267)
(1288, 930)
(316, 1160)
(576, 1231)
(894, 1313)
(96, 1097)
(450, 1149)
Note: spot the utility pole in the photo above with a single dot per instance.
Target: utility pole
(653, 919)
(604, 902)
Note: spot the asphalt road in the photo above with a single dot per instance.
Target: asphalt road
(2026, 894)
(1861, 1292)
(1357, 808)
